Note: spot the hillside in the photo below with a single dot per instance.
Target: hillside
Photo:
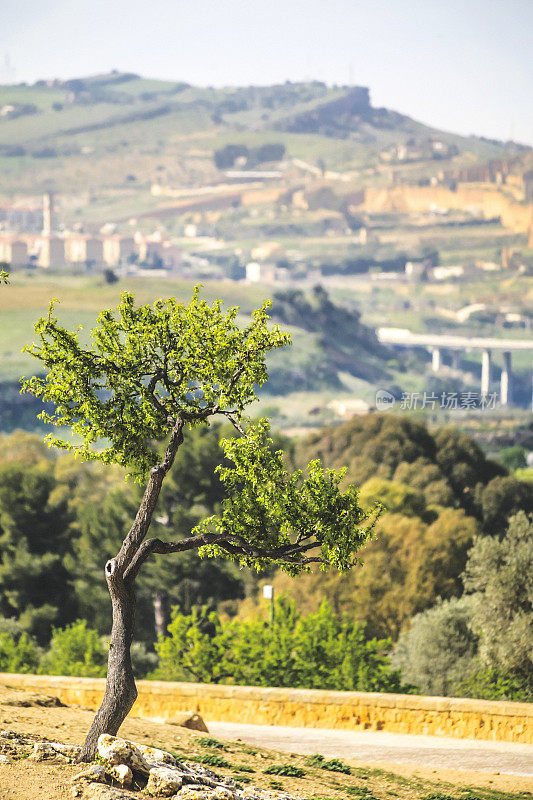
(118, 133)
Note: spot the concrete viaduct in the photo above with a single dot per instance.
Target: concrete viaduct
(435, 343)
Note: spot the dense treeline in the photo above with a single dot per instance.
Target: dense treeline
(426, 571)
(61, 519)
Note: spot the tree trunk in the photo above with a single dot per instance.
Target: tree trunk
(161, 613)
(120, 692)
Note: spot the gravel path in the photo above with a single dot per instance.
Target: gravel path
(430, 751)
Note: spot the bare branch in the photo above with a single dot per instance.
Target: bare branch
(232, 543)
(151, 546)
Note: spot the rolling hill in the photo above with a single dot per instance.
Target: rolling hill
(114, 135)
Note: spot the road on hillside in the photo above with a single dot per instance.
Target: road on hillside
(429, 751)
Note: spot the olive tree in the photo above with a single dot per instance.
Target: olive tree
(149, 374)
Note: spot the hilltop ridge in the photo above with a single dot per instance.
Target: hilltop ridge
(123, 131)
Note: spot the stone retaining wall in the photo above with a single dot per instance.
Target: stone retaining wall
(396, 713)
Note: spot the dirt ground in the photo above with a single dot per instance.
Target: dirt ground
(26, 779)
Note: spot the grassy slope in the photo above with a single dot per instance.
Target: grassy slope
(120, 143)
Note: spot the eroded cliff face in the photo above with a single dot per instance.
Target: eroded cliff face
(491, 202)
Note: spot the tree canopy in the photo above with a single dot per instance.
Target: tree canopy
(146, 366)
(149, 374)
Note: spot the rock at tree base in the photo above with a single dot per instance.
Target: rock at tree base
(114, 750)
(122, 774)
(154, 756)
(190, 720)
(164, 782)
(45, 751)
(95, 791)
(95, 773)
(167, 776)
(195, 793)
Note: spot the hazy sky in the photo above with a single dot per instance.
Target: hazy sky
(461, 65)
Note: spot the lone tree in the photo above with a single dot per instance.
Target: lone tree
(149, 375)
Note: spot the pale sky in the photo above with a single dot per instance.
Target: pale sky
(460, 65)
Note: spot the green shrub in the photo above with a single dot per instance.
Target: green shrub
(75, 650)
(493, 684)
(207, 741)
(18, 655)
(513, 457)
(212, 760)
(317, 651)
(285, 769)
(335, 765)
(439, 648)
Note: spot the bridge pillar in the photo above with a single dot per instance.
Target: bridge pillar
(485, 371)
(456, 357)
(436, 361)
(506, 380)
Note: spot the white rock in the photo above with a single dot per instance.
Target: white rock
(223, 793)
(194, 793)
(122, 774)
(95, 791)
(250, 793)
(5, 759)
(197, 773)
(42, 751)
(114, 750)
(95, 773)
(164, 781)
(154, 756)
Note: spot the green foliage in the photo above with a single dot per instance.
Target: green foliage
(75, 650)
(318, 652)
(513, 457)
(500, 499)
(344, 344)
(207, 741)
(446, 466)
(145, 367)
(34, 533)
(18, 654)
(479, 645)
(393, 496)
(336, 765)
(439, 648)
(4, 276)
(407, 565)
(492, 684)
(314, 761)
(268, 507)
(289, 770)
(213, 760)
(499, 574)
(440, 492)
(194, 650)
